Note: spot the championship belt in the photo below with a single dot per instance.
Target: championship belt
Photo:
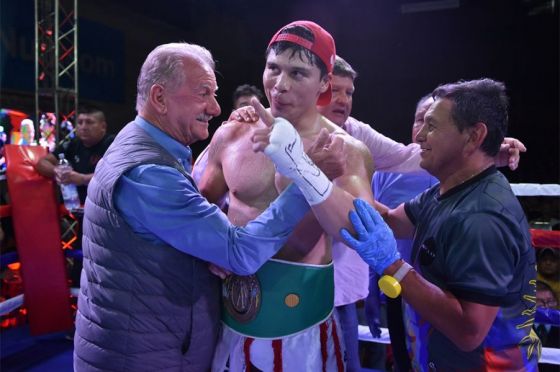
(281, 299)
(242, 297)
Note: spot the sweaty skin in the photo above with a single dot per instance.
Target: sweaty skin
(292, 86)
(252, 184)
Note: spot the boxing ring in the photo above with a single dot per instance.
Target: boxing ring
(47, 295)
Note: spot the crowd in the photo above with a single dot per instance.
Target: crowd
(257, 258)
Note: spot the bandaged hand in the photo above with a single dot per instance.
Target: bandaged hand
(283, 145)
(374, 240)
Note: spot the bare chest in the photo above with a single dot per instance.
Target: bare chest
(249, 175)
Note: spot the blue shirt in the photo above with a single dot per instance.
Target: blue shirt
(392, 189)
(163, 206)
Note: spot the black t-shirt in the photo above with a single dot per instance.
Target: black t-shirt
(84, 159)
(474, 241)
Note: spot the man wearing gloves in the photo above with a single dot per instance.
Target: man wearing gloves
(472, 283)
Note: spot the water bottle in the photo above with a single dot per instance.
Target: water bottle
(69, 191)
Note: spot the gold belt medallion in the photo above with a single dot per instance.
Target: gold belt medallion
(242, 297)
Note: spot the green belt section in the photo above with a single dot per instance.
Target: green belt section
(311, 288)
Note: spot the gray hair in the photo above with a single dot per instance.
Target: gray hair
(344, 69)
(164, 65)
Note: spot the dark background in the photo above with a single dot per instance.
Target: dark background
(399, 54)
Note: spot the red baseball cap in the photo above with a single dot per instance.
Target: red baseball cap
(323, 47)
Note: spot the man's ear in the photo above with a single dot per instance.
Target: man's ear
(477, 135)
(157, 98)
(325, 82)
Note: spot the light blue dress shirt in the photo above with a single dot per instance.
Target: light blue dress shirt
(163, 206)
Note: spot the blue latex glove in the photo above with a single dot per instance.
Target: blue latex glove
(375, 242)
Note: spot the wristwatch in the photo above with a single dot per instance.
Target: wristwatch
(390, 285)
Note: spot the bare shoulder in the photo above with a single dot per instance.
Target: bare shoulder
(230, 131)
(226, 134)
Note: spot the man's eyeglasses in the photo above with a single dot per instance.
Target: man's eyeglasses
(552, 303)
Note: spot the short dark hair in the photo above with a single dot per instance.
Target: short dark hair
(343, 68)
(91, 110)
(247, 90)
(474, 101)
(281, 46)
(547, 251)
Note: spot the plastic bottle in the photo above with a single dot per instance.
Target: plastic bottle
(69, 191)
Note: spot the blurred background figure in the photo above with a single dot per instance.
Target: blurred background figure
(83, 152)
(27, 133)
(243, 94)
(546, 297)
(548, 333)
(548, 268)
(47, 128)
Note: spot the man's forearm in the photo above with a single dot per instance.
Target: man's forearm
(465, 323)
(85, 179)
(332, 213)
(261, 238)
(45, 168)
(458, 321)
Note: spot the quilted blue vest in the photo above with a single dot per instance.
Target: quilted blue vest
(142, 306)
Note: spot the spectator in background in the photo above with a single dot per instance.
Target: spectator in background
(243, 94)
(549, 334)
(27, 133)
(83, 152)
(548, 268)
(546, 297)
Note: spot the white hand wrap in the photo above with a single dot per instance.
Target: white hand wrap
(286, 151)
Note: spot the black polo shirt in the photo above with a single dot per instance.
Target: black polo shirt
(474, 242)
(84, 159)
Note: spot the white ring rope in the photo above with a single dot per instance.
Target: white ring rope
(535, 189)
(549, 355)
(13, 303)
